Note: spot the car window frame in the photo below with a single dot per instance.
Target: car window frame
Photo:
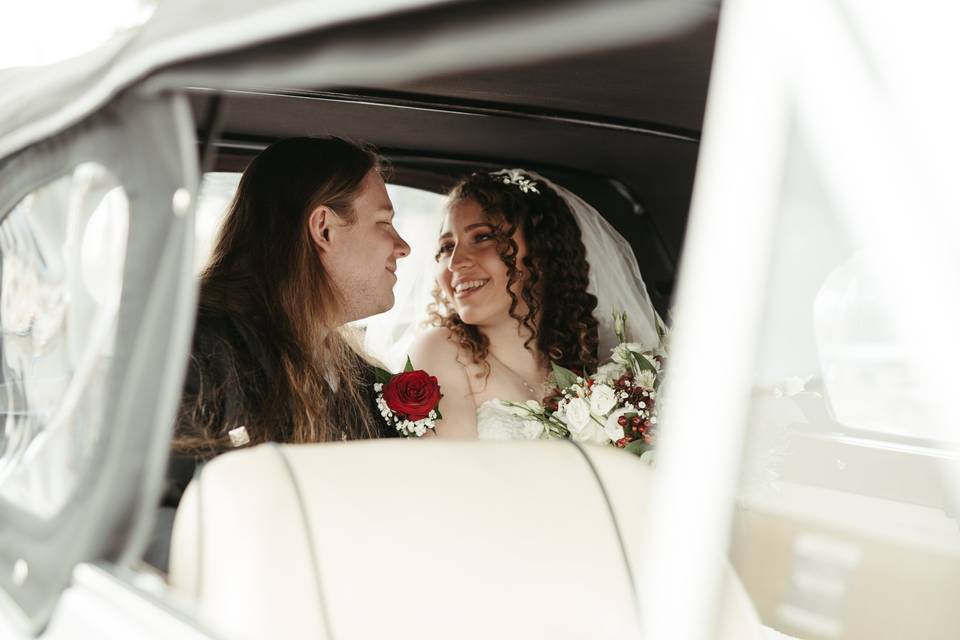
(110, 515)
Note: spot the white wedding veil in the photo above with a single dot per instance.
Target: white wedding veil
(614, 279)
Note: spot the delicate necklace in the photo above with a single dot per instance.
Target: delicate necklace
(533, 391)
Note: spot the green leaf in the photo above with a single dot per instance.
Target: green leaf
(381, 375)
(555, 428)
(562, 376)
(638, 447)
(641, 363)
(408, 366)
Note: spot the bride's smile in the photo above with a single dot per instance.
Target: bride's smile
(463, 289)
(470, 269)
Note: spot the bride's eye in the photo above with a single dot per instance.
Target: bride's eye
(482, 237)
(445, 249)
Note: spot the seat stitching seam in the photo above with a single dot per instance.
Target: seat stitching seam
(314, 556)
(616, 525)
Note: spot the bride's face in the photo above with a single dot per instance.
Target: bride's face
(470, 271)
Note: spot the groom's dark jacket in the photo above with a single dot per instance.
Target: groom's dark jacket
(211, 363)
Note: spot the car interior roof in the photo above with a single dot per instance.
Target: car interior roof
(620, 127)
(662, 84)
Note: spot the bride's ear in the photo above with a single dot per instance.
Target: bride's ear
(319, 222)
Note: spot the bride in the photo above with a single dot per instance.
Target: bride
(526, 274)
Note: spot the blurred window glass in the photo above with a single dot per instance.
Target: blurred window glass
(62, 251)
(845, 526)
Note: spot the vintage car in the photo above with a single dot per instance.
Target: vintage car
(797, 230)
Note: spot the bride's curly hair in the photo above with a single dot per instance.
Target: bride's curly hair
(554, 273)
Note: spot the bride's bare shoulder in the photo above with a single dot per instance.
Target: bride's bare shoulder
(435, 336)
(438, 352)
(434, 350)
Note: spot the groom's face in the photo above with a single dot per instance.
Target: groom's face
(361, 257)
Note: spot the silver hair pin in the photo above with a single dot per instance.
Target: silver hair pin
(516, 178)
(239, 436)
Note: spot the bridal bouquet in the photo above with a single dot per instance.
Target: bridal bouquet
(617, 405)
(408, 401)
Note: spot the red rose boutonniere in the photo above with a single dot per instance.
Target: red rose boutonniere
(408, 401)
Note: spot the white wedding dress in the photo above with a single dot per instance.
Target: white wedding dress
(495, 421)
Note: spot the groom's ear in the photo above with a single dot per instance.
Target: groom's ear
(319, 222)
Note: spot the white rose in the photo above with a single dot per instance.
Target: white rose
(621, 353)
(612, 427)
(576, 414)
(602, 399)
(594, 433)
(590, 432)
(609, 372)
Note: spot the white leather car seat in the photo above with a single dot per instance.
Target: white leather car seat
(420, 539)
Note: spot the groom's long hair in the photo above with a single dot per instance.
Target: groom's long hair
(268, 354)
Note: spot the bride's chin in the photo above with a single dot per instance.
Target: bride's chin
(485, 318)
(467, 317)
(470, 314)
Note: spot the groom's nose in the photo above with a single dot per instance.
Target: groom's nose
(400, 247)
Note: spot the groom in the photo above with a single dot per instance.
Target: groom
(307, 245)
